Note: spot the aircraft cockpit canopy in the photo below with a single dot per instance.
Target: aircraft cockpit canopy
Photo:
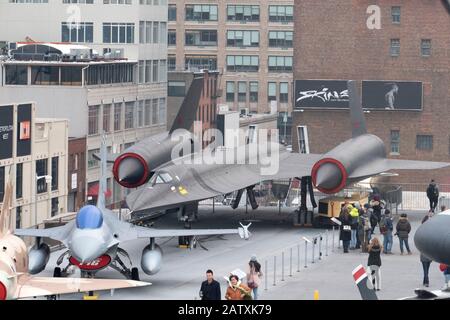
(161, 177)
(89, 217)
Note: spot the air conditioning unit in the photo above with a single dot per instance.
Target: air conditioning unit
(243, 112)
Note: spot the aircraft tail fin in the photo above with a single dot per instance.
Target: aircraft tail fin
(356, 112)
(361, 279)
(5, 213)
(101, 200)
(188, 110)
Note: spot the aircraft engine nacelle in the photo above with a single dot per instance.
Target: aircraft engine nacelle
(151, 259)
(135, 165)
(38, 258)
(339, 167)
(7, 286)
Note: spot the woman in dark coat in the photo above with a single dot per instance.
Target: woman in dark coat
(346, 229)
(374, 262)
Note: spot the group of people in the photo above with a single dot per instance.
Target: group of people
(236, 289)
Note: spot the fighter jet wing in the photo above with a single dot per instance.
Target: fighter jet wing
(164, 233)
(29, 286)
(56, 233)
(381, 165)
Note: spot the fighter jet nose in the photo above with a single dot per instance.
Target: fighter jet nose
(130, 170)
(87, 250)
(328, 176)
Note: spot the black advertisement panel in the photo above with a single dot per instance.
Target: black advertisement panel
(23, 130)
(6, 132)
(392, 95)
(328, 94)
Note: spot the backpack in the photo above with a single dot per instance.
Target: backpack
(383, 227)
(432, 191)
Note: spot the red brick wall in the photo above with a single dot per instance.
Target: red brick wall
(332, 41)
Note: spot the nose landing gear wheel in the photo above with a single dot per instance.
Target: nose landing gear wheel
(57, 272)
(135, 274)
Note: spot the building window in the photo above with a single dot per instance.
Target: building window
(129, 115)
(110, 73)
(172, 37)
(171, 63)
(280, 64)
(425, 47)
(254, 91)
(395, 47)
(424, 142)
(395, 12)
(44, 75)
(155, 38)
(243, 63)
(74, 1)
(92, 162)
(16, 75)
(242, 91)
(172, 13)
(230, 91)
(117, 1)
(395, 142)
(18, 217)
(198, 12)
(155, 70)
(241, 38)
(118, 32)
(140, 114)
(107, 118)
(77, 32)
(195, 63)
(162, 71)
(162, 111)
(284, 92)
(94, 113)
(71, 76)
(281, 39)
(272, 91)
(117, 116)
(141, 31)
(148, 112)
(41, 170)
(147, 69)
(201, 38)
(148, 32)
(55, 206)
(281, 13)
(162, 32)
(243, 13)
(303, 142)
(55, 173)
(176, 88)
(2, 183)
(154, 111)
(19, 180)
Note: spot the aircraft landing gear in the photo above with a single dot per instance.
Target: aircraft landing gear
(57, 272)
(135, 274)
(118, 265)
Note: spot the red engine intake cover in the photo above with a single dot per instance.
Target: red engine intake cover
(97, 264)
(125, 184)
(3, 291)
(341, 167)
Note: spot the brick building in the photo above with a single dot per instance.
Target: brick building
(332, 41)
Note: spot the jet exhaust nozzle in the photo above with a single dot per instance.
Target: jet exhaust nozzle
(329, 175)
(131, 170)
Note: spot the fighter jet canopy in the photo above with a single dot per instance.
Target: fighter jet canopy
(89, 217)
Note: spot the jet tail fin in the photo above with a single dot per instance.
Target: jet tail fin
(356, 112)
(5, 213)
(188, 110)
(101, 200)
(361, 279)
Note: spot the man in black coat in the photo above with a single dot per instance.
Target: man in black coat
(210, 289)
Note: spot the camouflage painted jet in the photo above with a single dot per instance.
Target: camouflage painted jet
(93, 239)
(177, 184)
(17, 283)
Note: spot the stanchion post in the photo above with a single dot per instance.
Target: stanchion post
(326, 243)
(298, 257)
(332, 244)
(320, 246)
(290, 263)
(306, 254)
(313, 248)
(274, 270)
(282, 266)
(265, 274)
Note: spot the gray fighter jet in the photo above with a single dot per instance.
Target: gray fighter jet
(177, 184)
(93, 239)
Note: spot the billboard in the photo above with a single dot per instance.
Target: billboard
(24, 130)
(392, 95)
(322, 94)
(6, 131)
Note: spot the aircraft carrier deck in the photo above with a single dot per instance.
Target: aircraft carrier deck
(273, 234)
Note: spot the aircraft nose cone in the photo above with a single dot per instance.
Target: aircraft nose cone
(328, 176)
(86, 250)
(432, 238)
(130, 170)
